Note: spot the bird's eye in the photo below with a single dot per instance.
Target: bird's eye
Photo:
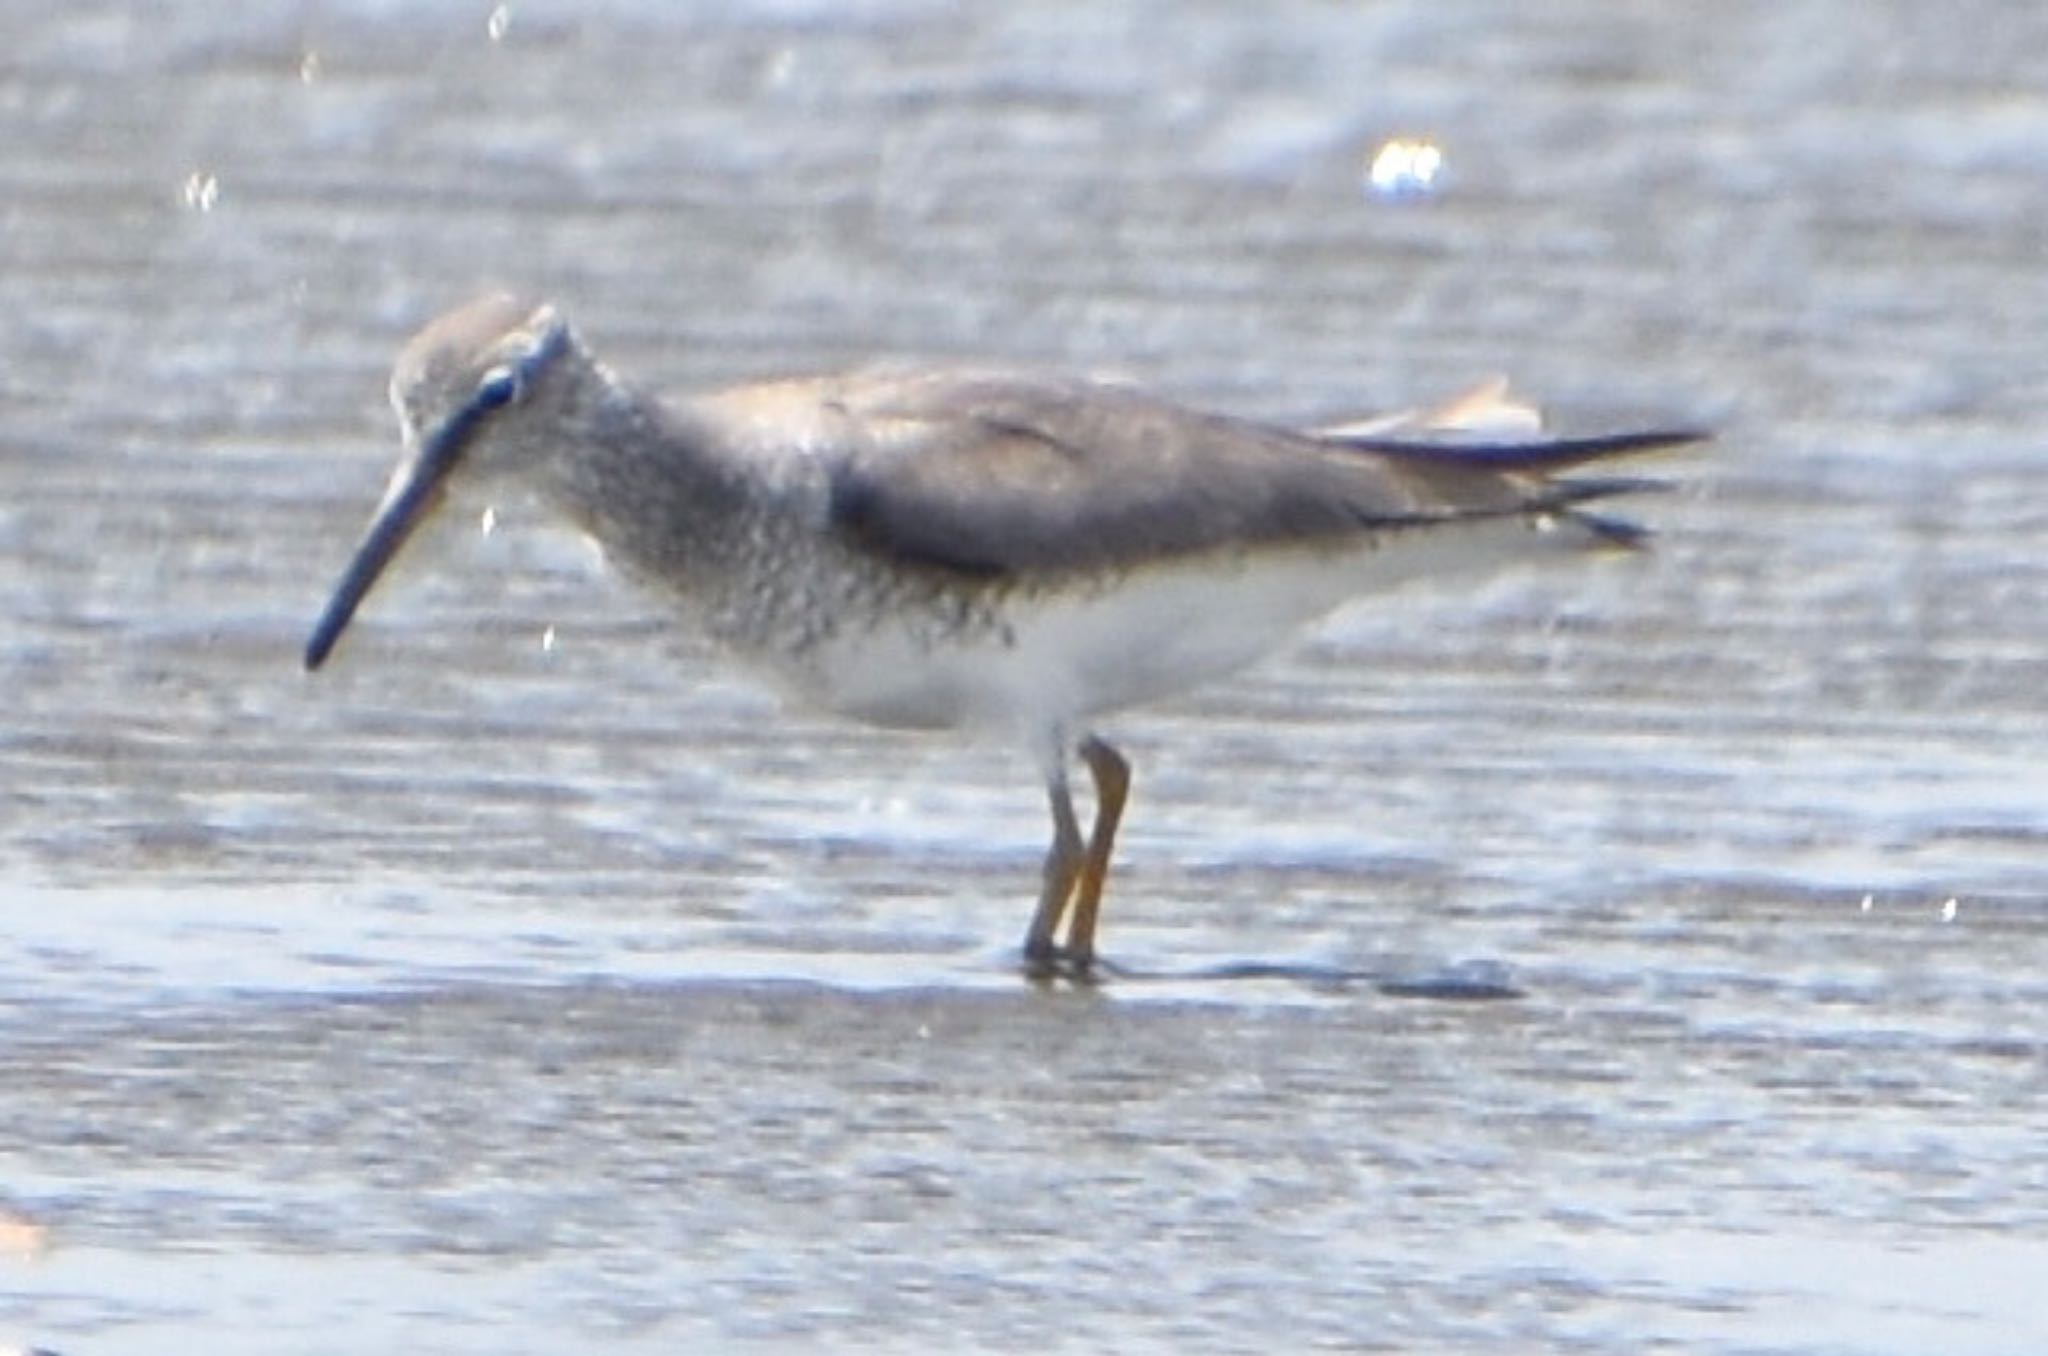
(500, 387)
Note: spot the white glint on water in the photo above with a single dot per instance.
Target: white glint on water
(1405, 167)
(202, 191)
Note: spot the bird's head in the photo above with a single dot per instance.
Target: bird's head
(465, 389)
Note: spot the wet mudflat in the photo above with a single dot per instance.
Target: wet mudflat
(531, 978)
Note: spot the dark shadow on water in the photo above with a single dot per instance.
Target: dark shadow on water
(1480, 982)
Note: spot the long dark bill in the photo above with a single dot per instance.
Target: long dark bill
(407, 503)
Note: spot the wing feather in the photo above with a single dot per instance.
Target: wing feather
(996, 473)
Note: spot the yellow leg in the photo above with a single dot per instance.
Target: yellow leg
(1112, 789)
(1063, 863)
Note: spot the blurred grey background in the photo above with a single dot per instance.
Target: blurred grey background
(530, 980)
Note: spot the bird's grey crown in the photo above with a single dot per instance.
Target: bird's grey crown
(487, 354)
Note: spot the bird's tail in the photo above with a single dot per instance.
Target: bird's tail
(1489, 429)
(1540, 455)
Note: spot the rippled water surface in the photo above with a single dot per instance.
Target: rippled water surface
(1642, 955)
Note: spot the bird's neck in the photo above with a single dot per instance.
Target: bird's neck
(652, 489)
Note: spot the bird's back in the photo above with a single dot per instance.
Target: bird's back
(1000, 473)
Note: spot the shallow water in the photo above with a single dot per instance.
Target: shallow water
(483, 993)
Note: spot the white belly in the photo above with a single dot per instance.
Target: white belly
(1065, 655)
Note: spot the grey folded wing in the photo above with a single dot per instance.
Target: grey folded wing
(996, 473)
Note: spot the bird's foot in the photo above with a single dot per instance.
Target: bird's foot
(1052, 963)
